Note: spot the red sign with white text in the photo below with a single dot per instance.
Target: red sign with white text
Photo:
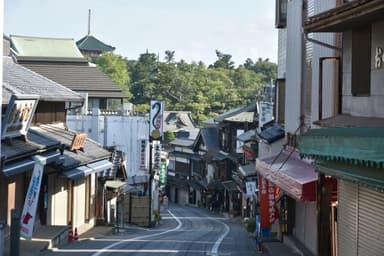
(267, 199)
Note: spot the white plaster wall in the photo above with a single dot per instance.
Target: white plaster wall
(78, 204)
(57, 201)
(123, 132)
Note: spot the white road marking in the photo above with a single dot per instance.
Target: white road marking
(215, 248)
(107, 248)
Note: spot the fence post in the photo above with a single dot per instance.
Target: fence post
(2, 236)
(15, 232)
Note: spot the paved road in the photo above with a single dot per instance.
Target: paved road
(183, 231)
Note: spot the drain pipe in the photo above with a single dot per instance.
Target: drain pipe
(312, 40)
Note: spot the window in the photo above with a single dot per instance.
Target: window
(361, 61)
(281, 14)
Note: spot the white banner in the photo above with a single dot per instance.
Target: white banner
(28, 216)
(251, 187)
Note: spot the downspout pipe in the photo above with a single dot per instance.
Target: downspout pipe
(309, 39)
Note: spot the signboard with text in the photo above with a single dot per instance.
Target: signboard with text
(267, 200)
(18, 116)
(28, 216)
(156, 120)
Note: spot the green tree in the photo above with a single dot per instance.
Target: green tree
(223, 61)
(116, 68)
(143, 79)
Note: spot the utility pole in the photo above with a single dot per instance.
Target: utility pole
(150, 184)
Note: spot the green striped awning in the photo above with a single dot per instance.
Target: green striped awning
(355, 145)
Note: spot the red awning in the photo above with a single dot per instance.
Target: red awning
(294, 176)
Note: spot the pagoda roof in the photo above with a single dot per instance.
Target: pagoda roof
(91, 43)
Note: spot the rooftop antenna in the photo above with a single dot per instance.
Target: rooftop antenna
(89, 21)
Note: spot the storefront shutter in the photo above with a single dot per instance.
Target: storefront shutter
(347, 218)
(371, 223)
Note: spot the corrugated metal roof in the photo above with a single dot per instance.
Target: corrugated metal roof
(45, 47)
(91, 43)
(92, 151)
(20, 80)
(79, 78)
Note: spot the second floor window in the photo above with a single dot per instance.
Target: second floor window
(361, 61)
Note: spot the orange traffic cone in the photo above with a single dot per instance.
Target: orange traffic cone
(76, 236)
(70, 234)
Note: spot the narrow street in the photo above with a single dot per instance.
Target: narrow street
(183, 231)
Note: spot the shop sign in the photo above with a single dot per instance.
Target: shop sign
(143, 153)
(163, 174)
(267, 200)
(156, 120)
(156, 155)
(379, 57)
(18, 116)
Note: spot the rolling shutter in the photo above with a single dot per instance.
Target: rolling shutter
(360, 220)
(371, 222)
(347, 218)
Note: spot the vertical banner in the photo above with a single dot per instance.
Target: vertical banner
(28, 215)
(267, 200)
(156, 120)
(156, 156)
(163, 174)
(143, 154)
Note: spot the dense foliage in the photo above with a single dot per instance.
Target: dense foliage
(205, 91)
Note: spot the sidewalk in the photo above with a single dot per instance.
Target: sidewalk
(45, 238)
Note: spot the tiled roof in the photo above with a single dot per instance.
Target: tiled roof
(92, 151)
(45, 47)
(36, 142)
(79, 78)
(20, 80)
(91, 43)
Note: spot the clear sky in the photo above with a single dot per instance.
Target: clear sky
(194, 29)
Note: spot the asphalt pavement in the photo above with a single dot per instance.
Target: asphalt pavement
(183, 231)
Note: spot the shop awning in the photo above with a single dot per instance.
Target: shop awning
(85, 170)
(367, 176)
(272, 134)
(230, 185)
(353, 145)
(293, 175)
(21, 166)
(115, 184)
(247, 136)
(247, 170)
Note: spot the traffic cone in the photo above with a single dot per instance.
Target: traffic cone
(70, 234)
(76, 236)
